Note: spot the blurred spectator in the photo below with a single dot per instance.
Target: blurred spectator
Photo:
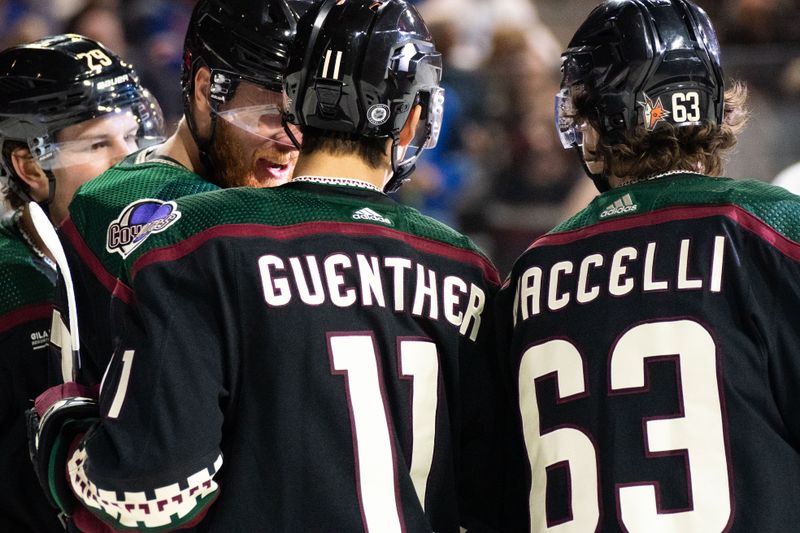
(443, 172)
(19, 24)
(789, 178)
(754, 21)
(499, 154)
(100, 20)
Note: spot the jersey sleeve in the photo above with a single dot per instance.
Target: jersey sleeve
(481, 435)
(23, 371)
(781, 334)
(514, 493)
(150, 462)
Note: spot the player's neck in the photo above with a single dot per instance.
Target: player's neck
(348, 166)
(181, 147)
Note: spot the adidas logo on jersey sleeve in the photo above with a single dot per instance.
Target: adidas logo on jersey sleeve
(620, 207)
(368, 214)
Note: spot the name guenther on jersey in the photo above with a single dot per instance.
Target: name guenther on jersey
(379, 280)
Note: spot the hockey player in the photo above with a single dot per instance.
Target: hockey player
(69, 109)
(323, 348)
(654, 340)
(230, 135)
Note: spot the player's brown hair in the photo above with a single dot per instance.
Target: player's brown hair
(372, 150)
(692, 148)
(14, 200)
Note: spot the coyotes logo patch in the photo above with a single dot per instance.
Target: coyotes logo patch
(653, 112)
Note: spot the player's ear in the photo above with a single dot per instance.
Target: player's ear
(410, 127)
(202, 90)
(30, 173)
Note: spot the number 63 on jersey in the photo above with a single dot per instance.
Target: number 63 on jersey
(698, 431)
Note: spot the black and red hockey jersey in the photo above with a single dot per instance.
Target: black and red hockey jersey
(105, 217)
(26, 299)
(653, 352)
(313, 357)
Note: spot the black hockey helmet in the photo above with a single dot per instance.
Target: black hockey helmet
(359, 67)
(237, 40)
(242, 39)
(641, 63)
(59, 81)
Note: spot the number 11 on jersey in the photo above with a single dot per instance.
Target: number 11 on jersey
(356, 358)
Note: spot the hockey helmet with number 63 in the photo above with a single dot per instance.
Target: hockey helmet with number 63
(640, 63)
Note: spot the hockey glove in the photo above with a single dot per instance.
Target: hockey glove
(61, 415)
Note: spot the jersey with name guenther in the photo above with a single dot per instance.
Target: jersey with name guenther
(655, 354)
(325, 350)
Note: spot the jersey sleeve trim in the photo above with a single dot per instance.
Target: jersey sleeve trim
(161, 509)
(180, 249)
(735, 213)
(29, 313)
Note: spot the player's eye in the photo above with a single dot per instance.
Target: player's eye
(99, 145)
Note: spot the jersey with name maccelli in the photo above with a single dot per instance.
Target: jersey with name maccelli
(26, 299)
(106, 216)
(654, 352)
(328, 349)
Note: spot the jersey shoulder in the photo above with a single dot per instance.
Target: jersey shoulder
(291, 206)
(107, 211)
(430, 228)
(23, 279)
(774, 206)
(133, 179)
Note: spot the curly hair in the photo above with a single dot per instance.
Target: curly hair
(700, 148)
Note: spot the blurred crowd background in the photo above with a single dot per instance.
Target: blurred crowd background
(499, 173)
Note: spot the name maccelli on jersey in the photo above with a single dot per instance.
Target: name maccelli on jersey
(382, 282)
(552, 289)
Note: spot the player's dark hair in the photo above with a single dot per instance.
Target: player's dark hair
(700, 148)
(371, 149)
(14, 199)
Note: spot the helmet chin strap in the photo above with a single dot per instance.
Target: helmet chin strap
(203, 145)
(400, 173)
(600, 180)
(51, 192)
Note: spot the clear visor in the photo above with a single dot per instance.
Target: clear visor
(111, 136)
(258, 111)
(428, 130)
(566, 124)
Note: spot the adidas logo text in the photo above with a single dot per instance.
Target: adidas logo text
(620, 207)
(368, 214)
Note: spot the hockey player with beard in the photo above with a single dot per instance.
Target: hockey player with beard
(311, 357)
(230, 135)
